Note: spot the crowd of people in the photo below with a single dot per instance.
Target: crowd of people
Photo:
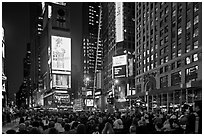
(135, 121)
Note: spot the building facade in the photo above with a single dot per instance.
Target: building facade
(168, 46)
(118, 38)
(55, 56)
(91, 14)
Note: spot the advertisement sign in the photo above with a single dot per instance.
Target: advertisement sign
(120, 60)
(119, 21)
(62, 99)
(119, 71)
(61, 81)
(130, 67)
(89, 102)
(61, 53)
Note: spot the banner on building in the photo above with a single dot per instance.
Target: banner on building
(119, 71)
(61, 53)
(119, 21)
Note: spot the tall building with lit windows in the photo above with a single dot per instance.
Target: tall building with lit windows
(91, 13)
(55, 56)
(118, 39)
(168, 50)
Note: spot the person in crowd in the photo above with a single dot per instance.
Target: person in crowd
(108, 129)
(66, 128)
(58, 125)
(35, 130)
(22, 129)
(73, 128)
(81, 129)
(190, 126)
(198, 113)
(53, 131)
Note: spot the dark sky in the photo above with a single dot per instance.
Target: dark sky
(16, 23)
(15, 20)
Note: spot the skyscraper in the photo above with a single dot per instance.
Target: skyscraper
(56, 55)
(91, 13)
(118, 39)
(168, 53)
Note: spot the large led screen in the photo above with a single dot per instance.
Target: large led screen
(61, 81)
(61, 53)
(119, 21)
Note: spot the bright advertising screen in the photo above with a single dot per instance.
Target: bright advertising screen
(120, 60)
(119, 21)
(61, 53)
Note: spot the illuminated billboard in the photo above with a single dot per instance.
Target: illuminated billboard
(61, 81)
(61, 53)
(89, 102)
(119, 71)
(119, 21)
(120, 60)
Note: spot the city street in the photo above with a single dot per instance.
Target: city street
(102, 67)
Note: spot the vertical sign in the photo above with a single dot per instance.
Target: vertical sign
(119, 21)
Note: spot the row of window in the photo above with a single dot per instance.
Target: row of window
(191, 74)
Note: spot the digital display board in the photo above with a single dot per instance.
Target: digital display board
(89, 102)
(61, 81)
(119, 71)
(61, 53)
(119, 21)
(120, 60)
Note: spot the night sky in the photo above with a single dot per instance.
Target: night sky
(15, 20)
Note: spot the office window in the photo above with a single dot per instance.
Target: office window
(176, 78)
(179, 41)
(148, 60)
(164, 81)
(161, 51)
(161, 61)
(152, 66)
(191, 74)
(188, 25)
(178, 63)
(166, 59)
(148, 68)
(174, 23)
(188, 60)
(196, 7)
(144, 69)
(196, 31)
(188, 36)
(162, 42)
(174, 13)
(173, 44)
(173, 55)
(179, 30)
(195, 57)
(195, 45)
(156, 55)
(144, 61)
(196, 20)
(166, 39)
(179, 52)
(152, 57)
(188, 48)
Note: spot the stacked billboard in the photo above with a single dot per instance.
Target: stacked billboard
(119, 66)
(61, 62)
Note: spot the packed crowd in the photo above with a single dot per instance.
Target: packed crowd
(137, 121)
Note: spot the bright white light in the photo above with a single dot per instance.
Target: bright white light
(116, 81)
(87, 79)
